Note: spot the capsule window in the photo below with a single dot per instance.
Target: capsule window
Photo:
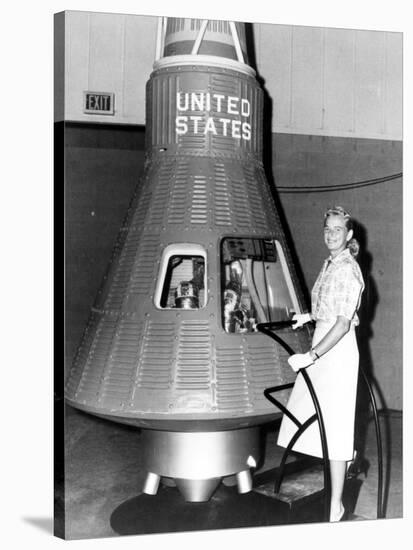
(181, 283)
(256, 284)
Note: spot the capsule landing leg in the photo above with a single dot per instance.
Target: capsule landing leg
(244, 481)
(151, 484)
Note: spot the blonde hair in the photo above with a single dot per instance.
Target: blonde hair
(353, 244)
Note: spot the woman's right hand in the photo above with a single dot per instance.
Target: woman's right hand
(301, 319)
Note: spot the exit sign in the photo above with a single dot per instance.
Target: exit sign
(98, 103)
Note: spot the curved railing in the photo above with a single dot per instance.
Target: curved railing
(267, 328)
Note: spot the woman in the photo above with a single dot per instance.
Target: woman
(333, 359)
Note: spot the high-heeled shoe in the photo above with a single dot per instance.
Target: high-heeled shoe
(359, 465)
(345, 515)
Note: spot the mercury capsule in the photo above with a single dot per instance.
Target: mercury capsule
(171, 345)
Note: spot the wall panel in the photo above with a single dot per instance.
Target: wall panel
(335, 82)
(369, 82)
(77, 63)
(307, 78)
(138, 31)
(108, 53)
(393, 78)
(106, 48)
(274, 51)
(339, 80)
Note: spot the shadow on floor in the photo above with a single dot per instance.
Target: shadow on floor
(227, 509)
(43, 524)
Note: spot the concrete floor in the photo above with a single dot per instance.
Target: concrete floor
(103, 469)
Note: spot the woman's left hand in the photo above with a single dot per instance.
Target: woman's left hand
(300, 361)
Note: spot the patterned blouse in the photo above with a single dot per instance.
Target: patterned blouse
(338, 289)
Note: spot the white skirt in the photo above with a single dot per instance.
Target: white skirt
(334, 377)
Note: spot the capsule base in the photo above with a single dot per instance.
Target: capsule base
(197, 461)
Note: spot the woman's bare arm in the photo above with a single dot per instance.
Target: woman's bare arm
(334, 335)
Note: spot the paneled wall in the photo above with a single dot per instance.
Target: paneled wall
(321, 81)
(108, 53)
(332, 81)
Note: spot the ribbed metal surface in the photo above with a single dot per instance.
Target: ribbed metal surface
(255, 199)
(163, 89)
(156, 359)
(142, 278)
(242, 207)
(264, 192)
(231, 380)
(214, 26)
(120, 371)
(123, 272)
(82, 353)
(263, 358)
(178, 203)
(175, 24)
(269, 366)
(163, 127)
(225, 86)
(195, 143)
(142, 207)
(179, 24)
(199, 206)
(160, 197)
(94, 369)
(193, 365)
(222, 208)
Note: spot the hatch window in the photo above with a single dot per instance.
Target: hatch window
(182, 278)
(256, 284)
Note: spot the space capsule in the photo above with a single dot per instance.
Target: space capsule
(171, 345)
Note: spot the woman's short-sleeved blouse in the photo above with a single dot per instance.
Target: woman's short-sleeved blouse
(338, 289)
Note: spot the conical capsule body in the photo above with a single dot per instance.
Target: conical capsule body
(171, 342)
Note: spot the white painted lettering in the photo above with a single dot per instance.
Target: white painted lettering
(181, 125)
(236, 124)
(225, 122)
(196, 119)
(245, 107)
(246, 131)
(219, 98)
(203, 102)
(210, 126)
(197, 102)
(232, 105)
(178, 102)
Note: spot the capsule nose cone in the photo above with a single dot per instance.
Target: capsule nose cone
(216, 37)
(197, 490)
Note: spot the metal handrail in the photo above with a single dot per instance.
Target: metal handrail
(265, 328)
(380, 504)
